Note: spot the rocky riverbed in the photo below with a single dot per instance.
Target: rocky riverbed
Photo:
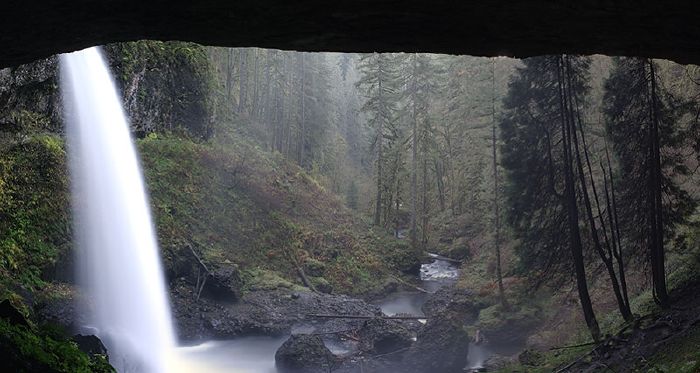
(275, 330)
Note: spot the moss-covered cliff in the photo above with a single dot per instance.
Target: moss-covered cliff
(165, 87)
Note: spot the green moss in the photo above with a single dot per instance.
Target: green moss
(30, 121)
(321, 284)
(260, 279)
(41, 350)
(34, 205)
(314, 267)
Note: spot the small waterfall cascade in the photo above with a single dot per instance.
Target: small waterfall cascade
(118, 261)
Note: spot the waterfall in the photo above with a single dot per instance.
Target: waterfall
(119, 265)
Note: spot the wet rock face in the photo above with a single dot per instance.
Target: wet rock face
(61, 310)
(29, 97)
(304, 353)
(162, 90)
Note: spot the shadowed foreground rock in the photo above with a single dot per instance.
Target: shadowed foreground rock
(304, 353)
(441, 346)
(379, 336)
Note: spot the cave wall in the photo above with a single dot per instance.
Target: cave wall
(32, 29)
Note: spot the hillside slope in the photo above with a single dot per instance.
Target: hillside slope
(234, 204)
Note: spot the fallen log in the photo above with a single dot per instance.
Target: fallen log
(361, 317)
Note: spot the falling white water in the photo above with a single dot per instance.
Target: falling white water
(119, 262)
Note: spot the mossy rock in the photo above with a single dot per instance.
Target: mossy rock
(314, 268)
(260, 279)
(26, 349)
(321, 284)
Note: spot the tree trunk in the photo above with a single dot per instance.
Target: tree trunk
(572, 214)
(414, 163)
(606, 258)
(658, 265)
(439, 175)
(380, 160)
(496, 212)
(615, 227)
(229, 73)
(243, 76)
(302, 130)
(255, 99)
(424, 230)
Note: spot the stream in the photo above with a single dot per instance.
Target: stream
(257, 354)
(433, 276)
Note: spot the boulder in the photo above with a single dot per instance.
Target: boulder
(455, 299)
(11, 314)
(224, 284)
(322, 285)
(380, 336)
(314, 268)
(442, 346)
(90, 344)
(304, 353)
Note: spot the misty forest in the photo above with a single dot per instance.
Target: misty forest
(348, 212)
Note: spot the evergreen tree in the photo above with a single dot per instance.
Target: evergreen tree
(421, 78)
(379, 81)
(539, 135)
(644, 122)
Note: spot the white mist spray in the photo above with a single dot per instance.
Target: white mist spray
(119, 261)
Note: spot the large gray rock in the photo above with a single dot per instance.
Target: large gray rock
(224, 284)
(90, 344)
(456, 299)
(379, 336)
(441, 346)
(304, 353)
